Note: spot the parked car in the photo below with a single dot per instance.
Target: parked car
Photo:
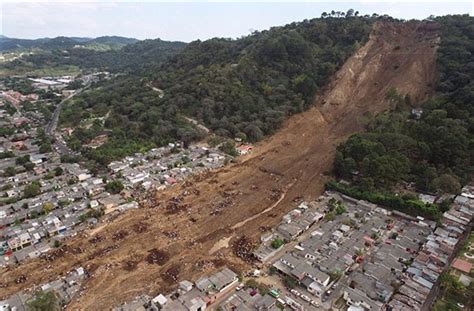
(305, 298)
(295, 292)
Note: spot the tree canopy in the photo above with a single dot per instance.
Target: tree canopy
(434, 151)
(237, 88)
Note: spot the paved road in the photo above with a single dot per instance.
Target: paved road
(59, 143)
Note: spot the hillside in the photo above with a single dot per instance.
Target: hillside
(112, 42)
(238, 88)
(114, 54)
(433, 150)
(10, 44)
(253, 194)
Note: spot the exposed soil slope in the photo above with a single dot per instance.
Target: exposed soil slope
(173, 239)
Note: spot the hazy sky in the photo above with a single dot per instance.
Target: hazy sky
(187, 21)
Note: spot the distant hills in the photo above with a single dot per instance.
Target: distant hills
(100, 43)
(71, 54)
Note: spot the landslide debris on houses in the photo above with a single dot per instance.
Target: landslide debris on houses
(288, 166)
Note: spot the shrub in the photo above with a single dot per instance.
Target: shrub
(277, 243)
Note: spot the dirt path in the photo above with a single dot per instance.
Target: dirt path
(282, 196)
(199, 125)
(160, 92)
(300, 153)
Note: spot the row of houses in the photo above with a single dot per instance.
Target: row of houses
(362, 253)
(188, 296)
(164, 166)
(356, 242)
(27, 224)
(293, 224)
(421, 278)
(65, 288)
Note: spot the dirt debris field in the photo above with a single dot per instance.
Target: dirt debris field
(213, 219)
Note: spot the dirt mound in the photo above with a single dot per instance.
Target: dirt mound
(140, 227)
(120, 235)
(130, 265)
(97, 239)
(288, 166)
(243, 248)
(157, 257)
(171, 275)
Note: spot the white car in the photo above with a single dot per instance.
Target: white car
(295, 292)
(305, 298)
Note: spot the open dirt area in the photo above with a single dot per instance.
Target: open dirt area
(213, 219)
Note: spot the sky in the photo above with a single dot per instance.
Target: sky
(188, 21)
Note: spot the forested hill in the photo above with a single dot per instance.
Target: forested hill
(11, 44)
(432, 151)
(238, 88)
(246, 87)
(104, 53)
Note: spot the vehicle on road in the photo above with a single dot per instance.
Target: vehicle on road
(295, 292)
(274, 293)
(305, 298)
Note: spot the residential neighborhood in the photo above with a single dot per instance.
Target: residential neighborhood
(333, 253)
(46, 198)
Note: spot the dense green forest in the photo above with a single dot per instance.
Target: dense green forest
(247, 87)
(12, 44)
(135, 57)
(432, 152)
(238, 88)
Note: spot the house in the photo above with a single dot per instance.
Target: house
(111, 202)
(358, 299)
(159, 300)
(185, 286)
(137, 178)
(83, 176)
(289, 231)
(368, 240)
(195, 304)
(244, 149)
(265, 303)
(37, 158)
(219, 281)
(21, 240)
(417, 112)
(462, 265)
(315, 289)
(223, 279)
(170, 180)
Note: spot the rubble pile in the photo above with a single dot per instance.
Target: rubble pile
(175, 205)
(275, 194)
(53, 254)
(21, 279)
(170, 234)
(157, 257)
(102, 252)
(140, 227)
(130, 265)
(120, 235)
(243, 248)
(171, 275)
(97, 239)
